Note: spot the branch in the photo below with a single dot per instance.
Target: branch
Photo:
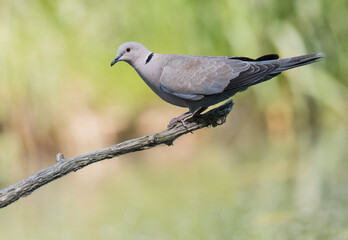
(64, 166)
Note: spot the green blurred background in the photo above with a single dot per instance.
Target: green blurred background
(276, 170)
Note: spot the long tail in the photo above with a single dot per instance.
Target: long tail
(284, 64)
(266, 67)
(293, 62)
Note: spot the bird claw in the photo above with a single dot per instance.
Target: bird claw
(175, 120)
(180, 119)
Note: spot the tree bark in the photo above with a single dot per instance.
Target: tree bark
(64, 166)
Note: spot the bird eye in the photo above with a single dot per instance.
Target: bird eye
(128, 50)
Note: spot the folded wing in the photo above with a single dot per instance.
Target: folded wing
(193, 77)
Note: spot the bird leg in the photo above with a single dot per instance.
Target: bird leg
(199, 111)
(181, 119)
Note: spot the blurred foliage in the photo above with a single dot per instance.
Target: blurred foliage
(275, 170)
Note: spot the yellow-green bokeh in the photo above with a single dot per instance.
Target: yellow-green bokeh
(276, 170)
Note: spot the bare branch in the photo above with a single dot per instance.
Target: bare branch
(64, 166)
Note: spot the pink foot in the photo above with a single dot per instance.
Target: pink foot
(181, 119)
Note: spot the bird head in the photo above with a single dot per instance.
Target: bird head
(130, 52)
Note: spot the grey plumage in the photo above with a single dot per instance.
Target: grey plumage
(197, 82)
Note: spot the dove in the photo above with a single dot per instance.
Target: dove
(197, 82)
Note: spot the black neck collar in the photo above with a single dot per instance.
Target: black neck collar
(148, 59)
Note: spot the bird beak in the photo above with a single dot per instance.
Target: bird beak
(115, 60)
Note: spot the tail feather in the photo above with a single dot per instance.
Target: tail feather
(288, 63)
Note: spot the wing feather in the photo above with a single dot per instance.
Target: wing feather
(193, 77)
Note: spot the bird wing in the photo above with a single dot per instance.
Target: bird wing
(193, 77)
